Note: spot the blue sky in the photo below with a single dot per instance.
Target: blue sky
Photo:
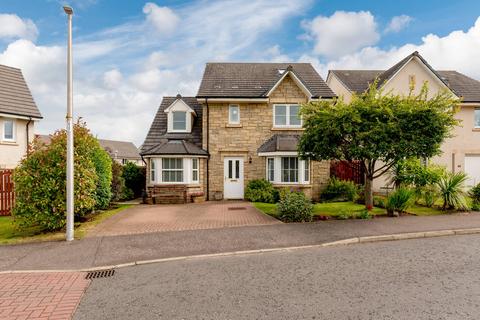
(128, 54)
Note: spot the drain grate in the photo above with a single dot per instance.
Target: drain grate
(237, 208)
(100, 274)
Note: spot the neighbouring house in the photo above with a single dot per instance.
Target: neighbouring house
(242, 125)
(121, 151)
(462, 151)
(18, 114)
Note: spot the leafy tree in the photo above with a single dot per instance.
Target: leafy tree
(40, 181)
(134, 178)
(377, 129)
(118, 183)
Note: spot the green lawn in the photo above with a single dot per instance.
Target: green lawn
(420, 210)
(10, 234)
(331, 209)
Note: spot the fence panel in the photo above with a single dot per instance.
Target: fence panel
(7, 194)
(348, 170)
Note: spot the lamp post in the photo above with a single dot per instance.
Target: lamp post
(70, 217)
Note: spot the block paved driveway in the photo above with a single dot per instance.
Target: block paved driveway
(48, 295)
(193, 216)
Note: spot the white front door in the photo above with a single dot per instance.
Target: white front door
(233, 178)
(472, 168)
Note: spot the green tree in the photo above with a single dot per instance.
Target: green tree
(40, 181)
(377, 129)
(118, 183)
(134, 178)
(103, 168)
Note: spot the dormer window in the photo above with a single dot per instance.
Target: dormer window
(179, 117)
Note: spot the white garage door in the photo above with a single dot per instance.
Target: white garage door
(472, 168)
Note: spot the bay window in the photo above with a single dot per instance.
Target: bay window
(174, 170)
(287, 115)
(287, 170)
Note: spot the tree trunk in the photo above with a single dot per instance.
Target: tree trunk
(368, 192)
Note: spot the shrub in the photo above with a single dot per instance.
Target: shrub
(344, 215)
(40, 181)
(103, 168)
(261, 190)
(399, 201)
(295, 207)
(474, 193)
(118, 183)
(451, 190)
(411, 172)
(429, 195)
(364, 214)
(134, 178)
(339, 190)
(379, 202)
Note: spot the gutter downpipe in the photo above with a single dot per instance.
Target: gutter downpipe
(208, 149)
(28, 134)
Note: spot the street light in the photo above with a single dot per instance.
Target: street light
(69, 236)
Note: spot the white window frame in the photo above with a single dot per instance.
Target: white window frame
(14, 129)
(230, 108)
(180, 106)
(195, 170)
(277, 170)
(475, 125)
(287, 125)
(187, 170)
(185, 114)
(174, 170)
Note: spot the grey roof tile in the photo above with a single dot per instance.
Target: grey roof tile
(120, 149)
(254, 80)
(157, 135)
(15, 96)
(280, 142)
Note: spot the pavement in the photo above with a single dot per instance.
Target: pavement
(52, 296)
(178, 217)
(435, 278)
(112, 250)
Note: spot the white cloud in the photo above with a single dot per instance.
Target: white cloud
(398, 23)
(112, 78)
(458, 50)
(163, 19)
(12, 26)
(342, 33)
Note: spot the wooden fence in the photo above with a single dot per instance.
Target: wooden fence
(7, 194)
(348, 170)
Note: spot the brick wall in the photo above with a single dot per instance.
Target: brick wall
(256, 126)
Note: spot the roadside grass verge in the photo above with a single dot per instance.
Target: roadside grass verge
(11, 234)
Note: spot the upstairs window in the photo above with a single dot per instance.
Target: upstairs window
(8, 130)
(287, 115)
(233, 114)
(477, 118)
(179, 121)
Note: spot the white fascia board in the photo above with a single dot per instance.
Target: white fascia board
(203, 100)
(295, 79)
(14, 116)
(278, 154)
(183, 106)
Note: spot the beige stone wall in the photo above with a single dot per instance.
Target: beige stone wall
(243, 140)
(12, 152)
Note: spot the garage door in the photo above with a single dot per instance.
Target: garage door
(472, 168)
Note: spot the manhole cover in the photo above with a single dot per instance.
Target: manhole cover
(237, 208)
(100, 274)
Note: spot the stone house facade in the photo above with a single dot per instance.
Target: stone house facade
(242, 125)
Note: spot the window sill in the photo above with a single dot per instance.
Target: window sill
(293, 184)
(476, 129)
(233, 125)
(287, 129)
(10, 143)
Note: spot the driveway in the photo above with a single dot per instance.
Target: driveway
(194, 216)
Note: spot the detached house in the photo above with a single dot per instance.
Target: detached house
(18, 113)
(462, 151)
(244, 124)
